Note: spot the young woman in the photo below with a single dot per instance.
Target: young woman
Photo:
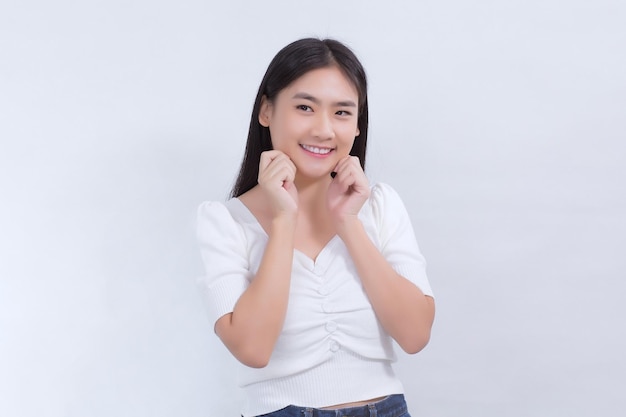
(310, 270)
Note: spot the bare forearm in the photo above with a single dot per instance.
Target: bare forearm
(402, 308)
(258, 316)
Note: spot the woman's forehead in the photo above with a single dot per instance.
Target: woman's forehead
(322, 83)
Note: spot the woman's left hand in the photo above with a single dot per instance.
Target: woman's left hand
(348, 191)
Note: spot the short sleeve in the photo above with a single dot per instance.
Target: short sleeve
(397, 238)
(224, 252)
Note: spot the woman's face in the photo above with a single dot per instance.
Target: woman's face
(314, 121)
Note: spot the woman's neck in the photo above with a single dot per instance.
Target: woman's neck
(312, 196)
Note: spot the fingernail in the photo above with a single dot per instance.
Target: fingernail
(333, 174)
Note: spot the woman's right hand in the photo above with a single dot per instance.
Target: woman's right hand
(276, 179)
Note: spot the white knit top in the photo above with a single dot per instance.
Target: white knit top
(332, 348)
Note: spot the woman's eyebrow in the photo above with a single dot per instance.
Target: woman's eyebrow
(307, 96)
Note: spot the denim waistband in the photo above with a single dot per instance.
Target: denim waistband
(392, 406)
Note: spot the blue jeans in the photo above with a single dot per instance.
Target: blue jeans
(392, 406)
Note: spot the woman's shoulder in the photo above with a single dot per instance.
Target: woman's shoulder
(385, 206)
(383, 194)
(215, 210)
(221, 217)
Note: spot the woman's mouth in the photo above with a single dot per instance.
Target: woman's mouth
(316, 150)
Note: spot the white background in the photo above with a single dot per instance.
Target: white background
(501, 123)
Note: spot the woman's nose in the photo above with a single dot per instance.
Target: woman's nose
(323, 127)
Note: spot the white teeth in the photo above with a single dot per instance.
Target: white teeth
(321, 151)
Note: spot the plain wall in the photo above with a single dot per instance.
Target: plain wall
(501, 124)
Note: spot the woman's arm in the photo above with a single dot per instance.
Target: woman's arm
(401, 307)
(251, 330)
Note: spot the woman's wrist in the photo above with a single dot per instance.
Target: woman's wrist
(284, 224)
(349, 227)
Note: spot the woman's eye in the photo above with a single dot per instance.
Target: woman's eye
(343, 113)
(304, 107)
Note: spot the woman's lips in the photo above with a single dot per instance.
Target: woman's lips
(316, 150)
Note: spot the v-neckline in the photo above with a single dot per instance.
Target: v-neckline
(322, 255)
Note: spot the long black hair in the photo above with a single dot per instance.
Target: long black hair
(290, 63)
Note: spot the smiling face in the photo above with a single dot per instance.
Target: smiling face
(314, 121)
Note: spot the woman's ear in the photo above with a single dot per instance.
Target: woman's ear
(265, 112)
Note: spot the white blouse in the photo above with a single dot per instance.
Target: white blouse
(332, 348)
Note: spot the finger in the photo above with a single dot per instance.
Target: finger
(288, 172)
(343, 180)
(279, 171)
(268, 156)
(272, 160)
(348, 161)
(282, 162)
(340, 164)
(348, 165)
(350, 175)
